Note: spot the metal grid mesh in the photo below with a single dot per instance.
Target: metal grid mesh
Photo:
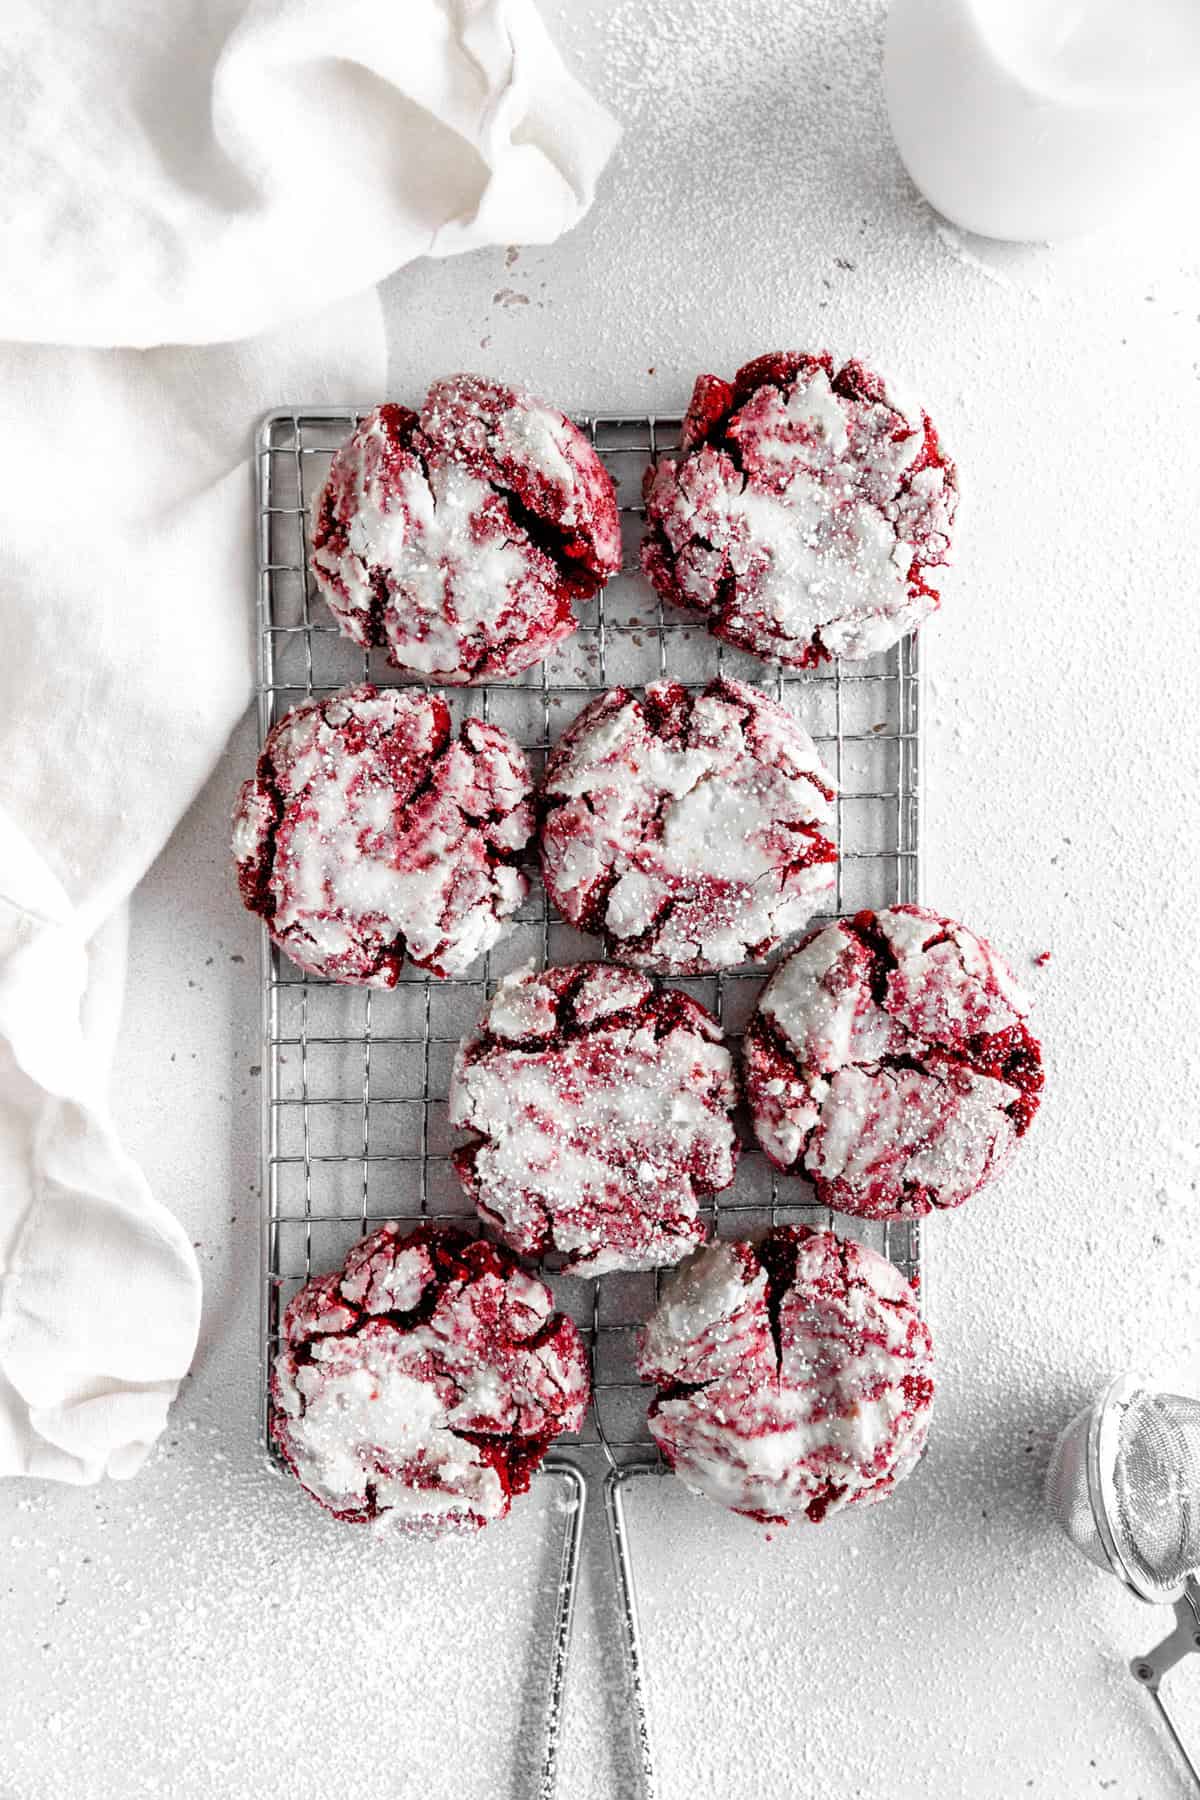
(355, 1081)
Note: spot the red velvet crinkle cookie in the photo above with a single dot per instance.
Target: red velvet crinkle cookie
(691, 831)
(459, 537)
(889, 1061)
(421, 1384)
(370, 834)
(601, 1107)
(806, 514)
(795, 1376)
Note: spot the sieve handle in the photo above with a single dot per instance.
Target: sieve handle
(1149, 1670)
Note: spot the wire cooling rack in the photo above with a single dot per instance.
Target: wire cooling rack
(355, 1081)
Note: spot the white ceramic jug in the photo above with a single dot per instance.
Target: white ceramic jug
(1039, 119)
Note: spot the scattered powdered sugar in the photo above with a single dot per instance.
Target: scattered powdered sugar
(207, 1631)
(692, 832)
(601, 1107)
(955, 242)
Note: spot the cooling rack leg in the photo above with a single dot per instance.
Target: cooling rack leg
(574, 1482)
(614, 1506)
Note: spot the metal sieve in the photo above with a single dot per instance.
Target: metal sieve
(1124, 1484)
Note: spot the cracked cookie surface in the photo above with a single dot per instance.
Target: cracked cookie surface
(458, 538)
(692, 832)
(794, 1376)
(422, 1383)
(371, 834)
(807, 513)
(889, 1061)
(600, 1105)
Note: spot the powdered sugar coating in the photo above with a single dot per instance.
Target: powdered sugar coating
(795, 1377)
(601, 1107)
(369, 834)
(889, 1060)
(805, 513)
(692, 831)
(458, 538)
(421, 1385)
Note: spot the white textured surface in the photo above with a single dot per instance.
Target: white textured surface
(203, 1632)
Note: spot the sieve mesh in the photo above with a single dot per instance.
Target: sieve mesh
(1156, 1483)
(1124, 1484)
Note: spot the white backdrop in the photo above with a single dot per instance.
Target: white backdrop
(204, 1633)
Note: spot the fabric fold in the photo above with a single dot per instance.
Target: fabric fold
(132, 662)
(99, 1288)
(202, 172)
(224, 179)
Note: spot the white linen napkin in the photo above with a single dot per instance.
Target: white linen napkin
(181, 175)
(208, 169)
